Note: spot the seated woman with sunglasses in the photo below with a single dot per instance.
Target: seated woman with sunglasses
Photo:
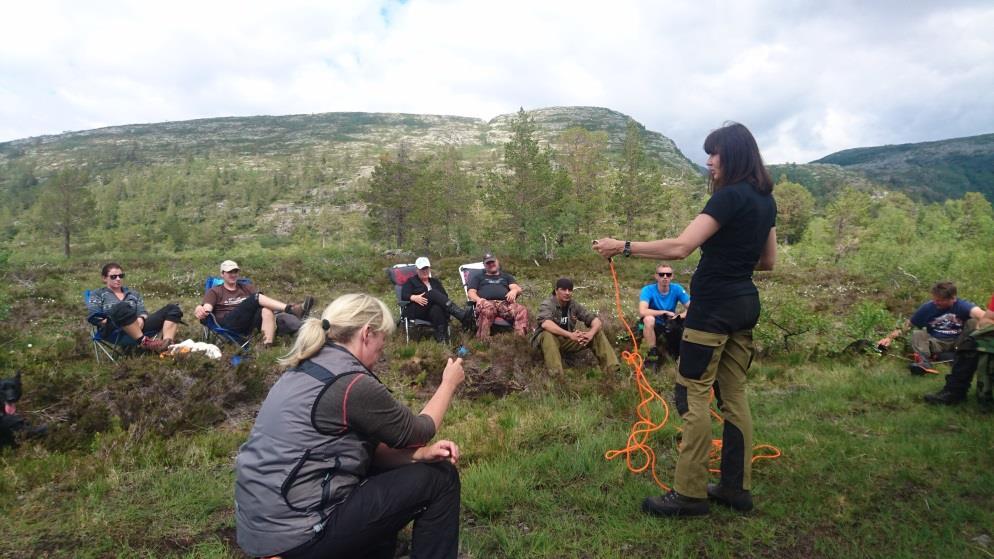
(115, 307)
(657, 311)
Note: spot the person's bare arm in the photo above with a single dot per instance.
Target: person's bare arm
(693, 236)
(768, 258)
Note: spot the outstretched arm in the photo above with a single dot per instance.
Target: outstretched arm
(693, 236)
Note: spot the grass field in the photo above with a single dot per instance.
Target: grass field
(138, 461)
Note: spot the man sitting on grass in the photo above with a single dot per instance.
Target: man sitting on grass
(240, 308)
(940, 325)
(969, 355)
(657, 310)
(556, 333)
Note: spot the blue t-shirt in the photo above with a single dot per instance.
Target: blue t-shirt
(659, 302)
(943, 324)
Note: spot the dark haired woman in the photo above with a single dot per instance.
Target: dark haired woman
(736, 234)
(117, 307)
(335, 466)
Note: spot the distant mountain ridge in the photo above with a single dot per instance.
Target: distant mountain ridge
(362, 135)
(930, 171)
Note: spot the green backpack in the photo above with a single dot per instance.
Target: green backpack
(985, 366)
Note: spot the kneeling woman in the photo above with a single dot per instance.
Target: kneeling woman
(335, 466)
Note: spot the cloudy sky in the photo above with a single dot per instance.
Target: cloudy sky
(808, 77)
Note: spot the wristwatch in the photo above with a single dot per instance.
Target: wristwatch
(628, 249)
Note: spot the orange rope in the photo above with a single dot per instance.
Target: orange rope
(638, 436)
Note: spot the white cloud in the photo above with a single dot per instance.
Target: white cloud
(808, 78)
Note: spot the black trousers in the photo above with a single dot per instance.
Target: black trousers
(367, 523)
(244, 318)
(670, 330)
(123, 314)
(433, 312)
(964, 366)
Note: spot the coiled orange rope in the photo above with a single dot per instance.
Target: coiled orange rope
(638, 435)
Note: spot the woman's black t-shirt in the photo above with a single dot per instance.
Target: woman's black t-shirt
(729, 257)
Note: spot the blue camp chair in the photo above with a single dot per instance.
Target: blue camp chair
(398, 274)
(111, 345)
(214, 332)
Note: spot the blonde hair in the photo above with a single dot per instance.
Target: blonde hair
(345, 317)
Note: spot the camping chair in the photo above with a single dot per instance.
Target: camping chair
(398, 274)
(112, 345)
(467, 271)
(214, 332)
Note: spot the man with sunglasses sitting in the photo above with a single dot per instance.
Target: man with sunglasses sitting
(657, 311)
(238, 307)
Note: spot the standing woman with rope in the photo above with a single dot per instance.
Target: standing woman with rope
(736, 233)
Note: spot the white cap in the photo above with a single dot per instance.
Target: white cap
(422, 262)
(229, 265)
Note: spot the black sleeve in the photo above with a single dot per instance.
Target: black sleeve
(407, 289)
(510, 279)
(474, 280)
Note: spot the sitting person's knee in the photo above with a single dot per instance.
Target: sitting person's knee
(122, 314)
(649, 321)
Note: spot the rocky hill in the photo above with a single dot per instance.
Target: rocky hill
(265, 141)
(931, 171)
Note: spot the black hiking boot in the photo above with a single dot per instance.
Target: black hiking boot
(740, 500)
(944, 397)
(675, 504)
(463, 315)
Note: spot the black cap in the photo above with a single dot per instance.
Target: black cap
(489, 257)
(564, 283)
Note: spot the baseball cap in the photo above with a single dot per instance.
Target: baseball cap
(422, 262)
(489, 257)
(229, 265)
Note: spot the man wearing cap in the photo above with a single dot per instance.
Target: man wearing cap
(238, 307)
(556, 333)
(494, 292)
(430, 302)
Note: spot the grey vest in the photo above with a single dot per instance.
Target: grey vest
(289, 476)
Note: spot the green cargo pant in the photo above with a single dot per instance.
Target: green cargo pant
(553, 347)
(719, 360)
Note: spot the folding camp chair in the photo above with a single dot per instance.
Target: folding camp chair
(110, 345)
(466, 272)
(398, 274)
(214, 332)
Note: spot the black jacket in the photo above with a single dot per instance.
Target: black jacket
(414, 286)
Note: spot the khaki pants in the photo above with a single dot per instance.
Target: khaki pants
(553, 347)
(719, 360)
(926, 346)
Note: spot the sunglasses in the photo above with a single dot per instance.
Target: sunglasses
(116, 276)
(664, 274)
